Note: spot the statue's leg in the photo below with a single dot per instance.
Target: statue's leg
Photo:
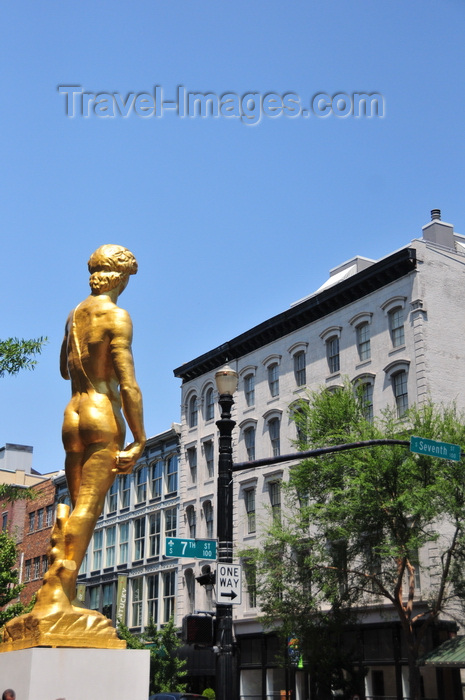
(97, 477)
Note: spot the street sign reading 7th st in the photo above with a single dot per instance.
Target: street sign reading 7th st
(190, 548)
(433, 448)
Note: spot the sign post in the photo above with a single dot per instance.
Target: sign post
(433, 448)
(228, 584)
(190, 548)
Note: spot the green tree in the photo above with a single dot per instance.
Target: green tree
(16, 354)
(167, 670)
(10, 588)
(355, 525)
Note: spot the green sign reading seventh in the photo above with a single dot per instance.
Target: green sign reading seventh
(433, 448)
(193, 549)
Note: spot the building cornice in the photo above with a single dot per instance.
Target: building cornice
(318, 306)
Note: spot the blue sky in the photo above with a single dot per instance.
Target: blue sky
(230, 222)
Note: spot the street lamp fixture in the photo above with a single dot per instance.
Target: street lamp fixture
(226, 383)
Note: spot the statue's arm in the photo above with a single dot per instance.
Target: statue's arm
(64, 355)
(131, 397)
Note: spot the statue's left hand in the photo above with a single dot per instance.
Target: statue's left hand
(126, 459)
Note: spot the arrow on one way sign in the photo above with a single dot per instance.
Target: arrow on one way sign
(229, 584)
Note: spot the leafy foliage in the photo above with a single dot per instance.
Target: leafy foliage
(16, 354)
(167, 670)
(356, 524)
(13, 492)
(10, 588)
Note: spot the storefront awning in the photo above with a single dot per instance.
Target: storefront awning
(449, 654)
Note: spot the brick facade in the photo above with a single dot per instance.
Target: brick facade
(38, 520)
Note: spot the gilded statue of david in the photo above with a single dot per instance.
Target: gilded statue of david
(96, 357)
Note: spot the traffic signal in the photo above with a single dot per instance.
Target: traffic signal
(198, 629)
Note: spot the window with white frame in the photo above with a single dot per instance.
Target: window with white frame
(249, 389)
(139, 538)
(366, 396)
(123, 554)
(107, 599)
(332, 354)
(275, 441)
(191, 521)
(32, 519)
(125, 490)
(396, 326)
(94, 598)
(273, 378)
(193, 411)
(331, 337)
(192, 462)
(363, 341)
(208, 451)
(208, 515)
(190, 589)
(209, 404)
(171, 474)
(40, 518)
(110, 547)
(400, 388)
(250, 572)
(44, 564)
(169, 590)
(275, 499)
(156, 479)
(152, 598)
(27, 570)
(97, 547)
(249, 440)
(154, 534)
(137, 586)
(249, 500)
(170, 522)
(112, 497)
(141, 484)
(36, 567)
(394, 308)
(83, 568)
(300, 372)
(49, 516)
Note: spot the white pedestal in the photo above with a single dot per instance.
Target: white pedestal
(76, 674)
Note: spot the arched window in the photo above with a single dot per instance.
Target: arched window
(193, 411)
(141, 484)
(208, 514)
(394, 309)
(300, 372)
(272, 367)
(191, 521)
(397, 374)
(209, 404)
(249, 439)
(399, 385)
(249, 389)
(274, 430)
(190, 589)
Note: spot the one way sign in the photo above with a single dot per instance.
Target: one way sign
(229, 584)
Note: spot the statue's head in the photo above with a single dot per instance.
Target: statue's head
(109, 266)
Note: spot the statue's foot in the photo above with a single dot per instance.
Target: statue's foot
(78, 628)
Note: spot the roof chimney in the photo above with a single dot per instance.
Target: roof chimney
(437, 231)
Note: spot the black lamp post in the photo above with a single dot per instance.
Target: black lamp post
(226, 382)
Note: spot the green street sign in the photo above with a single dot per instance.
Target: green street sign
(189, 548)
(433, 448)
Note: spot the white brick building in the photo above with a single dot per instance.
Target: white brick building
(395, 326)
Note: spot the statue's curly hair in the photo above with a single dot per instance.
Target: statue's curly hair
(108, 266)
